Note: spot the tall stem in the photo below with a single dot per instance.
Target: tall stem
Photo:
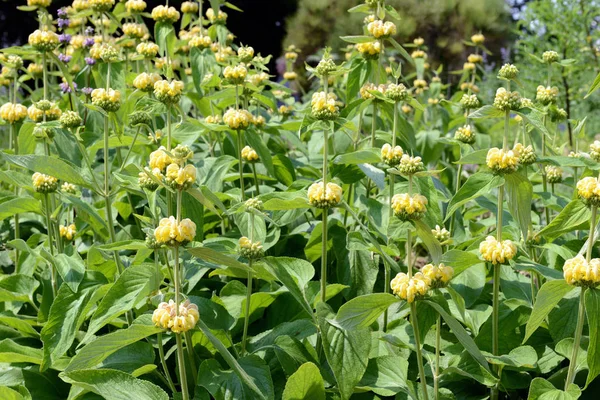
(436, 375)
(50, 241)
(248, 289)
(255, 179)
(591, 239)
(163, 362)
(181, 363)
(107, 198)
(324, 220)
(578, 330)
(415, 324)
(241, 164)
(15, 142)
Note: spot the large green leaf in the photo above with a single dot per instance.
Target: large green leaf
(359, 157)
(592, 309)
(70, 268)
(132, 286)
(306, 383)
(20, 205)
(18, 288)
(478, 184)
(346, 351)
(541, 389)
(547, 298)
(520, 193)
(362, 311)
(50, 166)
(386, 376)
(114, 385)
(574, 216)
(213, 256)
(459, 260)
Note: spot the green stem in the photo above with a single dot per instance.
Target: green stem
(192, 356)
(15, 142)
(580, 321)
(495, 312)
(255, 179)
(591, 239)
(50, 240)
(436, 375)
(241, 164)
(415, 324)
(163, 362)
(181, 363)
(44, 77)
(324, 221)
(248, 289)
(107, 198)
(409, 252)
(169, 128)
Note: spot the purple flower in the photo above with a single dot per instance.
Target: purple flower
(89, 31)
(90, 61)
(88, 42)
(63, 23)
(64, 38)
(65, 88)
(62, 12)
(64, 58)
(87, 91)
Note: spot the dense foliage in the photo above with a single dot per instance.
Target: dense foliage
(179, 224)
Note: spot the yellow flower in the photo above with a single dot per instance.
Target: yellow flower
(133, 30)
(109, 100)
(250, 250)
(168, 92)
(237, 119)
(324, 106)
(365, 90)
(438, 275)
(410, 165)
(379, 29)
(546, 94)
(189, 7)
(553, 173)
(213, 119)
(43, 40)
(39, 3)
(34, 69)
(419, 41)
(180, 178)
(469, 66)
(290, 75)
(370, 50)
(235, 75)
(171, 233)
(595, 150)
(101, 5)
(420, 84)
(441, 234)
(478, 39)
(67, 232)
(44, 183)
(259, 121)
(68, 188)
(249, 154)
(166, 316)
(145, 178)
(200, 41)
(497, 252)
(578, 272)
(407, 207)
(165, 14)
(135, 6)
(219, 18)
(526, 155)
(37, 115)
(506, 100)
(81, 5)
(391, 155)
(502, 161)
(588, 189)
(465, 134)
(550, 56)
(260, 78)
(145, 81)
(410, 289)
(245, 53)
(13, 113)
(320, 197)
(475, 58)
(147, 49)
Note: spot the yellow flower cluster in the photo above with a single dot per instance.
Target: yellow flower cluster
(441, 234)
(168, 92)
(250, 250)
(324, 106)
(553, 174)
(145, 81)
(43, 40)
(171, 233)
(465, 134)
(595, 150)
(189, 7)
(370, 50)
(419, 54)
(80, 5)
(200, 41)
(469, 66)
(249, 154)
(438, 275)
(260, 78)
(44, 183)
(506, 100)
(367, 88)
(34, 69)
(165, 14)
(180, 178)
(39, 3)
(160, 159)
(410, 165)
(235, 75)
(245, 53)
(290, 75)
(379, 29)
(502, 161)
(550, 56)
(219, 18)
(546, 94)
(410, 289)
(37, 115)
(13, 112)
(418, 41)
(497, 252)
(101, 5)
(588, 190)
(133, 30)
(213, 119)
(526, 155)
(320, 197)
(68, 188)
(166, 316)
(145, 178)
(407, 207)
(478, 39)
(391, 155)
(135, 6)
(67, 232)
(508, 71)
(579, 272)
(420, 85)
(147, 49)
(237, 119)
(475, 58)
(285, 109)
(109, 100)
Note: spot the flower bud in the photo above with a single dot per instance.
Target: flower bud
(410, 165)
(109, 100)
(410, 289)
(496, 252)
(579, 272)
(67, 232)
(250, 250)
(441, 234)
(469, 101)
(13, 113)
(465, 134)
(550, 57)
(407, 207)
(70, 120)
(324, 106)
(439, 275)
(553, 174)
(44, 183)
(320, 197)
(508, 71)
(506, 101)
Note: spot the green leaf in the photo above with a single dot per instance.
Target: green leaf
(402, 51)
(285, 200)
(461, 334)
(535, 118)
(306, 383)
(70, 268)
(386, 376)
(48, 165)
(13, 353)
(573, 216)
(475, 157)
(114, 385)
(594, 87)
(362, 311)
(592, 309)
(256, 142)
(486, 112)
(20, 205)
(213, 256)
(460, 260)
(18, 288)
(547, 298)
(357, 39)
(541, 389)
(358, 157)
(132, 286)
(478, 184)
(97, 351)
(164, 33)
(430, 242)
(520, 193)
(347, 352)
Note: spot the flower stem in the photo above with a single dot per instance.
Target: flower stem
(591, 240)
(163, 362)
(241, 164)
(436, 375)
(181, 364)
(324, 221)
(580, 321)
(409, 252)
(248, 289)
(107, 200)
(415, 325)
(256, 179)
(50, 240)
(15, 141)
